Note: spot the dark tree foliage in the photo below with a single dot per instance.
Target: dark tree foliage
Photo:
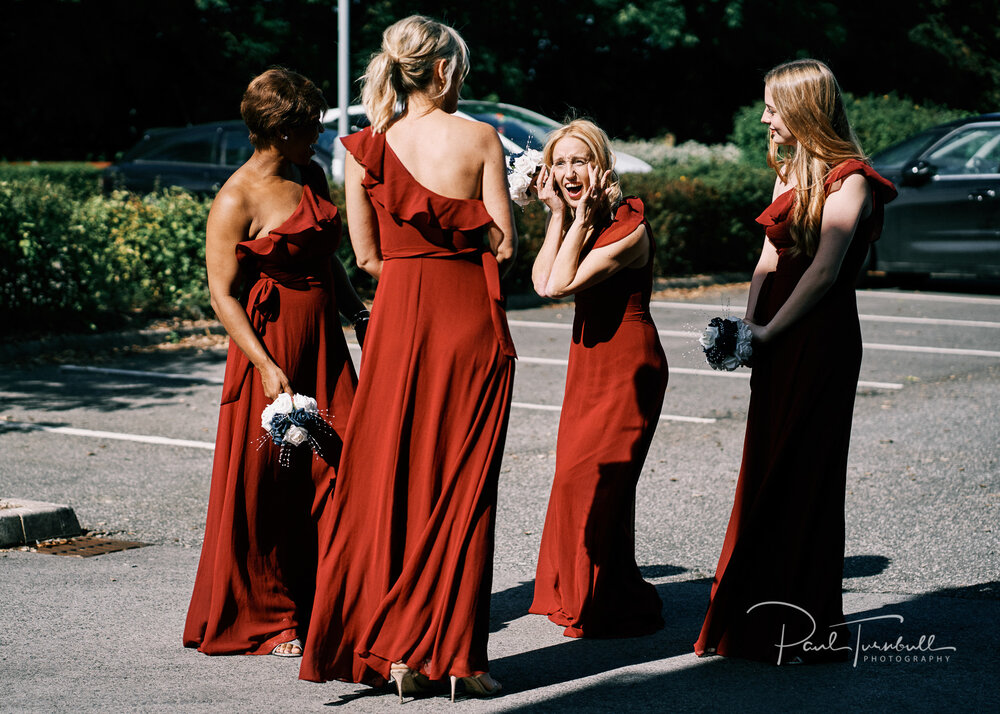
(84, 78)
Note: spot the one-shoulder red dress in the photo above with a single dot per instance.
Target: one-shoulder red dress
(785, 541)
(255, 579)
(406, 559)
(587, 579)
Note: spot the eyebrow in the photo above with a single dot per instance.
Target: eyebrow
(572, 156)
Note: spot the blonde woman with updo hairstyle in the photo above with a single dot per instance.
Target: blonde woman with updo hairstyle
(776, 595)
(405, 575)
(598, 248)
(279, 290)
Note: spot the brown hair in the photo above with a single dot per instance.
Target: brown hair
(599, 144)
(808, 99)
(277, 101)
(410, 48)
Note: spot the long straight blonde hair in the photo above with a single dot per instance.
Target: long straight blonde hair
(410, 48)
(808, 99)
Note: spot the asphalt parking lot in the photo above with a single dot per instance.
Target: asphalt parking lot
(126, 440)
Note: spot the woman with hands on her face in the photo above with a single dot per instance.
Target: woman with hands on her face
(277, 287)
(598, 247)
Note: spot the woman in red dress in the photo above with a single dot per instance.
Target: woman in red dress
(406, 557)
(599, 248)
(271, 237)
(776, 595)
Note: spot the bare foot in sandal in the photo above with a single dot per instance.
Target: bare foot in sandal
(292, 648)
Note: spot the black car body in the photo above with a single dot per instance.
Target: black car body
(947, 216)
(198, 158)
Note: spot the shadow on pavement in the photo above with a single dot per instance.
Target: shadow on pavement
(50, 388)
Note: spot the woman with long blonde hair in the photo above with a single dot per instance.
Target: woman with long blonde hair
(598, 248)
(776, 595)
(406, 563)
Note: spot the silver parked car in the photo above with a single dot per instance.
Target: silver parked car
(947, 216)
(519, 128)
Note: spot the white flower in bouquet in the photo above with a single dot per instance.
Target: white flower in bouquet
(295, 435)
(282, 405)
(528, 162)
(520, 185)
(301, 401)
(709, 336)
(523, 167)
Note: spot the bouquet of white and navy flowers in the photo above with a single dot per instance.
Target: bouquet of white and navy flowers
(292, 421)
(727, 343)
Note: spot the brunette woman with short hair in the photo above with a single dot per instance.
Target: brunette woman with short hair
(277, 287)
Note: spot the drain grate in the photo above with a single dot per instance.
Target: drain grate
(87, 546)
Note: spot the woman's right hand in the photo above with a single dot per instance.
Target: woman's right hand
(547, 193)
(275, 382)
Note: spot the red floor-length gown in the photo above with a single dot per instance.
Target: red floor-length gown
(587, 579)
(406, 559)
(256, 576)
(785, 540)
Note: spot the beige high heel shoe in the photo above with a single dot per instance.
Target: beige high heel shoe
(408, 682)
(480, 686)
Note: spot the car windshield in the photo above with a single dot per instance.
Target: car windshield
(526, 129)
(908, 149)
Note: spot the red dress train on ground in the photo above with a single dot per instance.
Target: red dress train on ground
(406, 556)
(785, 540)
(256, 576)
(587, 579)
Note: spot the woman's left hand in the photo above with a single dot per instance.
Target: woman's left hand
(761, 333)
(591, 198)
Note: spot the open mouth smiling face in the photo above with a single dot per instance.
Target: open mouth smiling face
(570, 163)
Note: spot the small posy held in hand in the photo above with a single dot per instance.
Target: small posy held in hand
(291, 421)
(727, 343)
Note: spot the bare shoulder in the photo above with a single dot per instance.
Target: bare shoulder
(852, 188)
(781, 187)
(473, 133)
(231, 204)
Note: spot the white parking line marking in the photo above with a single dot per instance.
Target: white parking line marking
(931, 350)
(746, 375)
(940, 321)
(141, 438)
(931, 298)
(526, 360)
(663, 417)
(866, 345)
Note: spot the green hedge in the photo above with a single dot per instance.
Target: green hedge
(879, 120)
(80, 179)
(85, 263)
(72, 259)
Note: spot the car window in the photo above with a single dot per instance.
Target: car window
(523, 128)
(236, 147)
(906, 150)
(973, 150)
(182, 149)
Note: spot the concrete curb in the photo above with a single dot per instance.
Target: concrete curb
(24, 522)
